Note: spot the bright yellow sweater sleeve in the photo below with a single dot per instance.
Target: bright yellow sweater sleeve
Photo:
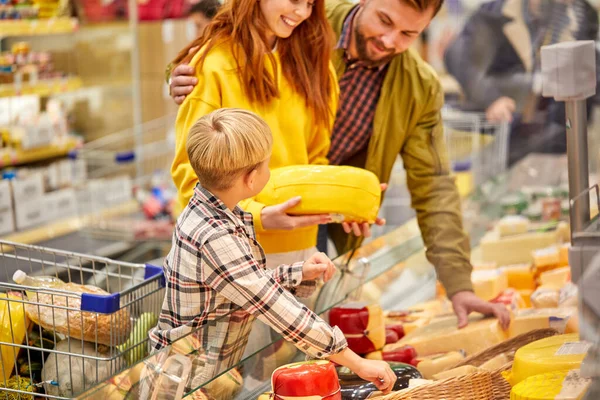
(318, 146)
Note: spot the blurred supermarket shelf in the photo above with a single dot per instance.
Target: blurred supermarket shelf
(69, 225)
(38, 27)
(42, 87)
(15, 157)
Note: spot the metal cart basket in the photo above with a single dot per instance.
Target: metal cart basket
(59, 338)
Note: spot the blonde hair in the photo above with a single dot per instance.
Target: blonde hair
(227, 143)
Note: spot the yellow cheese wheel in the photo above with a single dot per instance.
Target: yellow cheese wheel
(557, 385)
(348, 193)
(547, 355)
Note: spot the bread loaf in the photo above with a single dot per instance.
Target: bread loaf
(109, 329)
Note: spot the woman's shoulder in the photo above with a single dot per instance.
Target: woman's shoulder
(217, 58)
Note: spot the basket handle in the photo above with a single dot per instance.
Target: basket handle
(154, 271)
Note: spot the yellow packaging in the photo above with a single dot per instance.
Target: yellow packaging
(13, 325)
(547, 355)
(557, 385)
(348, 193)
(545, 259)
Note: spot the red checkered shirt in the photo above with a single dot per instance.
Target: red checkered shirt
(359, 92)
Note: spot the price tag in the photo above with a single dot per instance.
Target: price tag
(573, 349)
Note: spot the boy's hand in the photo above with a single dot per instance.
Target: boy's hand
(379, 373)
(316, 266)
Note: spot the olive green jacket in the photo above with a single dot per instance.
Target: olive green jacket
(408, 122)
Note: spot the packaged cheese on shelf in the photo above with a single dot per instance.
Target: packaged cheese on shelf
(515, 249)
(557, 385)
(545, 297)
(555, 353)
(520, 276)
(512, 225)
(528, 320)
(546, 259)
(488, 284)
(443, 336)
(556, 278)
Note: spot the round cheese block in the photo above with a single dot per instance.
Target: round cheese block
(362, 325)
(562, 352)
(310, 379)
(348, 193)
(557, 385)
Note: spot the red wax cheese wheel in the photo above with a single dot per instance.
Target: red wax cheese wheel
(363, 326)
(316, 379)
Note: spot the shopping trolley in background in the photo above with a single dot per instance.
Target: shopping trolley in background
(129, 192)
(475, 144)
(59, 341)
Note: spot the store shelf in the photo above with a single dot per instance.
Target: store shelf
(66, 226)
(38, 27)
(42, 87)
(12, 157)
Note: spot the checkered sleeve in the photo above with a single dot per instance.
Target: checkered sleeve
(230, 269)
(290, 277)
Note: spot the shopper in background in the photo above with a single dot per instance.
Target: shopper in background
(496, 60)
(202, 13)
(216, 268)
(270, 57)
(390, 104)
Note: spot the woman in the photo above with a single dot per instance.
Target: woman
(270, 57)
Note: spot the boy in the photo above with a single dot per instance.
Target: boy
(215, 272)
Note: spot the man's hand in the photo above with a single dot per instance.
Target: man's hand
(276, 217)
(318, 265)
(182, 82)
(501, 110)
(466, 302)
(363, 229)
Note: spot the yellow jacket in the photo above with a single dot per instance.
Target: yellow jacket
(296, 138)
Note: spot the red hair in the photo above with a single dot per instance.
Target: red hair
(305, 55)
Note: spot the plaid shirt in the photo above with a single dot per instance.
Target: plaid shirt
(217, 281)
(359, 92)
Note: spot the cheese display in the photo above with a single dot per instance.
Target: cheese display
(547, 355)
(556, 278)
(557, 385)
(526, 296)
(306, 379)
(362, 325)
(352, 194)
(453, 373)
(546, 259)
(511, 298)
(404, 354)
(520, 277)
(488, 284)
(513, 225)
(443, 336)
(527, 320)
(354, 387)
(545, 297)
(515, 249)
(495, 363)
(430, 365)
(563, 255)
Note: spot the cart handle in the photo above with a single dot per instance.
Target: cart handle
(109, 304)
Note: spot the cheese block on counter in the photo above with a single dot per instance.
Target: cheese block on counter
(520, 276)
(563, 255)
(495, 363)
(526, 296)
(556, 278)
(546, 259)
(527, 320)
(557, 385)
(545, 297)
(512, 299)
(428, 366)
(455, 372)
(515, 249)
(487, 285)
(485, 266)
(443, 336)
(554, 353)
(512, 225)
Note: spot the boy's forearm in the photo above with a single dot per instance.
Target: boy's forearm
(347, 358)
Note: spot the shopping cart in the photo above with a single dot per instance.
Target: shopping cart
(475, 144)
(127, 194)
(59, 341)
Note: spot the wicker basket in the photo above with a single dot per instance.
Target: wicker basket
(500, 386)
(508, 347)
(475, 386)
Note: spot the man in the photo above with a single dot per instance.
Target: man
(202, 13)
(390, 104)
(496, 60)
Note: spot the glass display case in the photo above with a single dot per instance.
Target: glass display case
(391, 270)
